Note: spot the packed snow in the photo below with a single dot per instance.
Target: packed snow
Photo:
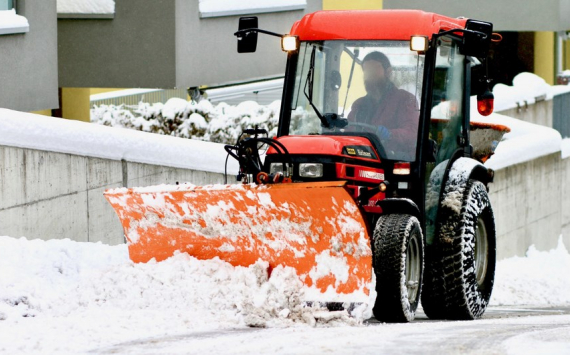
(69, 297)
(86, 6)
(214, 8)
(10, 22)
(81, 138)
(525, 142)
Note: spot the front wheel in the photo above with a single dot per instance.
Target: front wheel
(461, 262)
(398, 259)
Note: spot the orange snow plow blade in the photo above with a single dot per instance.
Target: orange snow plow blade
(315, 228)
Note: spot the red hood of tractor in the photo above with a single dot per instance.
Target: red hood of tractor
(346, 146)
(372, 25)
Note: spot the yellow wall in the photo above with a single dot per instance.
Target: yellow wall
(352, 4)
(75, 104)
(544, 56)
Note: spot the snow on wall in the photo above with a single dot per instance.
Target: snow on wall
(86, 6)
(525, 142)
(26, 130)
(10, 22)
(526, 89)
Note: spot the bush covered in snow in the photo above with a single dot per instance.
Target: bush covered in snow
(221, 123)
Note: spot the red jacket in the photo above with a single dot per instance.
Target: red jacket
(398, 111)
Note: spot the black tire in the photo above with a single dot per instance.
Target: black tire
(460, 265)
(398, 259)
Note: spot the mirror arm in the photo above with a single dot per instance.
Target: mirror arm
(462, 30)
(240, 33)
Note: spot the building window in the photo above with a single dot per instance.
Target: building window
(6, 5)
(86, 9)
(10, 22)
(217, 8)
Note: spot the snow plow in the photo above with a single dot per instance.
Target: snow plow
(375, 170)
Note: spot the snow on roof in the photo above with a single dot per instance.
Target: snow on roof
(26, 130)
(10, 22)
(218, 8)
(527, 88)
(525, 142)
(86, 6)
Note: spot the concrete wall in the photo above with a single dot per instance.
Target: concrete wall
(165, 44)
(28, 61)
(539, 113)
(51, 195)
(506, 15)
(531, 204)
(209, 44)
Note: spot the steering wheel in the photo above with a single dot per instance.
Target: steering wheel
(361, 127)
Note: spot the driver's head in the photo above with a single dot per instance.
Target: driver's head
(377, 69)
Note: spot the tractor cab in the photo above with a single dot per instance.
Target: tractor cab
(378, 99)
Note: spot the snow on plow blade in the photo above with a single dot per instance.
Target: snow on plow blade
(315, 228)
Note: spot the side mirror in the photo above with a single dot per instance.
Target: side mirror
(247, 40)
(477, 38)
(486, 103)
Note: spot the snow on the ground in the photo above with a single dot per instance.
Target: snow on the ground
(86, 6)
(66, 296)
(82, 138)
(69, 297)
(539, 278)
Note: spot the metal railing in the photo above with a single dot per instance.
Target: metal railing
(561, 114)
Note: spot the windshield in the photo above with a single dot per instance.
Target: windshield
(364, 87)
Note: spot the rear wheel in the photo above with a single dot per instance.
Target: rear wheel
(460, 265)
(398, 264)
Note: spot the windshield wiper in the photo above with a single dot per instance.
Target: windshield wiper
(328, 120)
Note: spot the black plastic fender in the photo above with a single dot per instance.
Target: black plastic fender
(399, 206)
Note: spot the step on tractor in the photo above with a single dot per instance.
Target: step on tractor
(374, 177)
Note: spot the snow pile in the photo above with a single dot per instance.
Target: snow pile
(527, 89)
(540, 278)
(221, 123)
(59, 278)
(85, 139)
(526, 141)
(10, 22)
(86, 6)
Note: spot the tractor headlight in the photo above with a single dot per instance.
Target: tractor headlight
(275, 168)
(311, 170)
(290, 43)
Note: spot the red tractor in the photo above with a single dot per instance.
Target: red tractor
(371, 170)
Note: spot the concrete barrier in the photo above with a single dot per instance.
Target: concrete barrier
(531, 204)
(50, 195)
(47, 194)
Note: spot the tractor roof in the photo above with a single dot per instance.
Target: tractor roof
(372, 24)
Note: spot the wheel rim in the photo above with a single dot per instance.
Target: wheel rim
(481, 251)
(413, 267)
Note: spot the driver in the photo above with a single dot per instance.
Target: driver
(393, 111)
